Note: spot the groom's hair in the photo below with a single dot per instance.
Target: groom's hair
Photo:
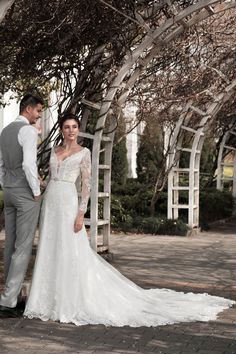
(30, 100)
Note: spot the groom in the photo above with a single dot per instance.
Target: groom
(21, 193)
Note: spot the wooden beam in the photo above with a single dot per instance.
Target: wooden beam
(93, 105)
(4, 7)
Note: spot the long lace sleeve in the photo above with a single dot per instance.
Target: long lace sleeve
(86, 181)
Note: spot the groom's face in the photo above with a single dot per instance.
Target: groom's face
(34, 113)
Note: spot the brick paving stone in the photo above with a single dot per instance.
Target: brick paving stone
(208, 351)
(203, 263)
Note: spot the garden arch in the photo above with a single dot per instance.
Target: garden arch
(4, 7)
(224, 149)
(124, 81)
(194, 149)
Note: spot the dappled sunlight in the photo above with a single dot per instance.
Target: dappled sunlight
(203, 263)
(165, 339)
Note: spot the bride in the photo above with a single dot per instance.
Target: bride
(71, 283)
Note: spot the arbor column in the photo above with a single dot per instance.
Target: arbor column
(225, 149)
(4, 7)
(191, 172)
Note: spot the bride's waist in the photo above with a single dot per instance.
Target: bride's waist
(57, 179)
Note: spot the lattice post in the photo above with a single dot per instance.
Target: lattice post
(103, 169)
(4, 7)
(221, 164)
(234, 177)
(194, 177)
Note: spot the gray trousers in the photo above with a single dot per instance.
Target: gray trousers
(21, 218)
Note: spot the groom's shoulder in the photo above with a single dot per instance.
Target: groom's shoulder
(29, 129)
(27, 133)
(15, 124)
(11, 126)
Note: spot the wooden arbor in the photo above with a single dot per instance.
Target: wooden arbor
(186, 179)
(226, 148)
(134, 64)
(101, 171)
(4, 7)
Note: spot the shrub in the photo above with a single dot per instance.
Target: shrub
(161, 226)
(151, 225)
(173, 227)
(148, 225)
(130, 209)
(136, 198)
(215, 205)
(1, 201)
(120, 218)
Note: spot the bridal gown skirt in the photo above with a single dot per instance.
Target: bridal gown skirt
(72, 284)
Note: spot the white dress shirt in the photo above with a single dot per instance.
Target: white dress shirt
(27, 138)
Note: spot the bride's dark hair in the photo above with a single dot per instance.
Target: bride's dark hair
(67, 116)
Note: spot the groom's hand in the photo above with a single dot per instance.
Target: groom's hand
(37, 197)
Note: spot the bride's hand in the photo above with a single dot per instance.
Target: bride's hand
(78, 223)
(43, 184)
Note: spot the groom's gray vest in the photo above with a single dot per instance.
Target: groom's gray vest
(12, 154)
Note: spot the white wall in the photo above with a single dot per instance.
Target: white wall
(132, 139)
(9, 112)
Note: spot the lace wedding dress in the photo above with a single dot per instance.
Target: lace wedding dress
(72, 284)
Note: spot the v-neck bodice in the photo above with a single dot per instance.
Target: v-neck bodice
(69, 169)
(67, 157)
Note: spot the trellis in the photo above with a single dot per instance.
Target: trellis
(160, 36)
(101, 171)
(192, 172)
(225, 148)
(4, 7)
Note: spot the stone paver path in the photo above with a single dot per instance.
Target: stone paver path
(202, 263)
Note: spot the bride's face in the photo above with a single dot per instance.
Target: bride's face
(70, 130)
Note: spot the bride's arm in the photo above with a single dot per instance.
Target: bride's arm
(85, 190)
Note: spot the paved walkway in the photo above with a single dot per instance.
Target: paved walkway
(202, 263)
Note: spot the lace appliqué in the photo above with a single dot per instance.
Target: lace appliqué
(85, 168)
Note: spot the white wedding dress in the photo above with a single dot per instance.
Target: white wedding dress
(72, 284)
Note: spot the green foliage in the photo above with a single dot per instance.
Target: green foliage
(119, 163)
(152, 225)
(130, 210)
(120, 218)
(119, 156)
(150, 154)
(172, 227)
(137, 198)
(215, 205)
(1, 201)
(208, 163)
(208, 156)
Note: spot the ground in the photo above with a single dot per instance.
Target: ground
(202, 263)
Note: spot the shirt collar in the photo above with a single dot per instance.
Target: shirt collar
(23, 119)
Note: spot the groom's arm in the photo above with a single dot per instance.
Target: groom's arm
(28, 137)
